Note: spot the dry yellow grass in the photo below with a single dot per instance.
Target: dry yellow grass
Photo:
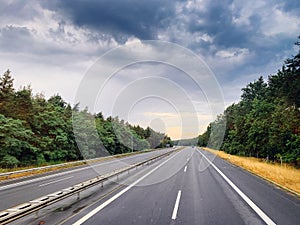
(284, 175)
(58, 167)
(35, 172)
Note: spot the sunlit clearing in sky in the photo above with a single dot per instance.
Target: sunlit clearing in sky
(156, 95)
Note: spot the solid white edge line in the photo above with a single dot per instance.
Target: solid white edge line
(55, 181)
(64, 173)
(176, 206)
(185, 168)
(50, 176)
(107, 202)
(258, 211)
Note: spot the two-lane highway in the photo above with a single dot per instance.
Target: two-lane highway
(20, 191)
(193, 187)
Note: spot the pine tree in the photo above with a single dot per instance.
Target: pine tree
(6, 93)
(6, 84)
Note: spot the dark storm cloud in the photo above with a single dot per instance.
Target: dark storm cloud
(237, 37)
(217, 22)
(119, 18)
(145, 19)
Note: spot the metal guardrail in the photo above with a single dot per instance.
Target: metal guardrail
(44, 168)
(19, 211)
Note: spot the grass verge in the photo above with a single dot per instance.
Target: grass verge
(34, 172)
(61, 166)
(284, 176)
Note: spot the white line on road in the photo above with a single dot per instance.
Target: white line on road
(185, 169)
(114, 160)
(55, 181)
(259, 212)
(175, 210)
(107, 202)
(50, 176)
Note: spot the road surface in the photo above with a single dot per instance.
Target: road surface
(187, 187)
(19, 191)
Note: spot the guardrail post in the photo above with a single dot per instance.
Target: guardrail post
(37, 213)
(37, 204)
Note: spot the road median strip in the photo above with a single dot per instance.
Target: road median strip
(16, 174)
(24, 209)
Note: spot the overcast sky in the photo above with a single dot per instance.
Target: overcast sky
(53, 44)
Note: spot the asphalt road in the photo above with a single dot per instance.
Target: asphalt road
(193, 187)
(19, 191)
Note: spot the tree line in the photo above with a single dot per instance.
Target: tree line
(266, 121)
(186, 142)
(36, 131)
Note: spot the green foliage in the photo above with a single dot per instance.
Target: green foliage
(6, 93)
(6, 84)
(16, 140)
(9, 161)
(186, 142)
(266, 122)
(120, 137)
(204, 138)
(165, 142)
(35, 131)
(86, 135)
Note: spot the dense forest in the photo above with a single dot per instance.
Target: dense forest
(36, 131)
(266, 121)
(186, 142)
